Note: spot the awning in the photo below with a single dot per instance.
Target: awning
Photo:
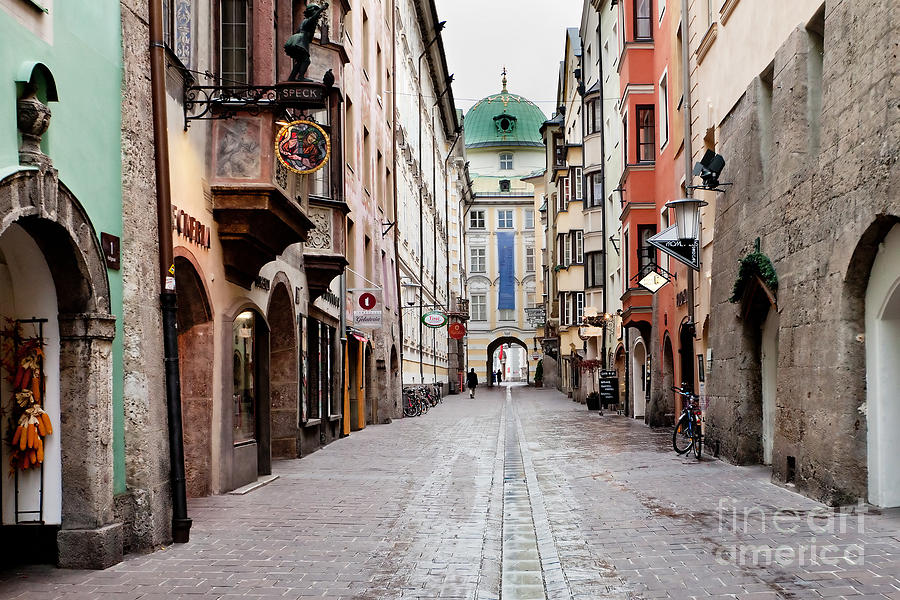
(360, 338)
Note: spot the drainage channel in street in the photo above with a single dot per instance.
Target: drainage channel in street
(528, 548)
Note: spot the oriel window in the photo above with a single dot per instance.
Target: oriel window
(233, 46)
(643, 21)
(646, 133)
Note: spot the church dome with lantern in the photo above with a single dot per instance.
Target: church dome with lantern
(504, 119)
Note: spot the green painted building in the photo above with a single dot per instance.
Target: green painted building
(61, 192)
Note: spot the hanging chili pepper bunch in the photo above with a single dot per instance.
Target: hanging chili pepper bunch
(22, 359)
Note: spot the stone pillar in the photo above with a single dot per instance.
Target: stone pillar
(89, 538)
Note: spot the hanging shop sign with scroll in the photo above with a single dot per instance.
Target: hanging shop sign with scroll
(302, 147)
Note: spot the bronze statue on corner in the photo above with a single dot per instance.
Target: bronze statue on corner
(297, 46)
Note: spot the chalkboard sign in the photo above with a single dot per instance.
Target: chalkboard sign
(609, 390)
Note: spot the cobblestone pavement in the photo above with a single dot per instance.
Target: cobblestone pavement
(519, 496)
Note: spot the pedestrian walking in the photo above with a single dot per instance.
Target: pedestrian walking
(472, 382)
(499, 376)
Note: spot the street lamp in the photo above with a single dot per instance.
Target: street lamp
(409, 291)
(687, 217)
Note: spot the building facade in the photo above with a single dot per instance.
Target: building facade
(803, 273)
(429, 146)
(503, 147)
(67, 286)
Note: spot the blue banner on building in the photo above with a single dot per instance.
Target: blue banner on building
(506, 258)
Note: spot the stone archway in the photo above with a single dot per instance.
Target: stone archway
(493, 346)
(284, 371)
(196, 351)
(882, 308)
(43, 208)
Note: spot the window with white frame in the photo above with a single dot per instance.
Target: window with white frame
(565, 311)
(594, 269)
(529, 259)
(476, 219)
(504, 219)
(577, 246)
(507, 314)
(479, 307)
(664, 111)
(529, 218)
(579, 194)
(565, 253)
(478, 260)
(578, 301)
(506, 161)
(566, 193)
(595, 189)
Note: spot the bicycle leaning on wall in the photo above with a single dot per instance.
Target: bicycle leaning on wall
(688, 432)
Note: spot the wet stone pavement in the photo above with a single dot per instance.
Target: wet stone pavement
(518, 494)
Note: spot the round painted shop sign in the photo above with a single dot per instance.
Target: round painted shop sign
(302, 147)
(457, 331)
(434, 319)
(367, 301)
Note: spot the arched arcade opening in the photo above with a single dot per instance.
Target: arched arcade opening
(494, 347)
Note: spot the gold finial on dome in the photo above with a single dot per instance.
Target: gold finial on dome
(504, 80)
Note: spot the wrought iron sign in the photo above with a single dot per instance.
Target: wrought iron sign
(207, 102)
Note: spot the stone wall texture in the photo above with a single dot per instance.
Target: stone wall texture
(819, 190)
(146, 509)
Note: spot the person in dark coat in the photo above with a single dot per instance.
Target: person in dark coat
(499, 376)
(472, 382)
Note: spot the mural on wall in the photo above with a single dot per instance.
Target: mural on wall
(238, 149)
(302, 146)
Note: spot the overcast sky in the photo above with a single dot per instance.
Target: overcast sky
(527, 36)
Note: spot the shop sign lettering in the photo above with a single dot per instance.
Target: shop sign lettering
(190, 228)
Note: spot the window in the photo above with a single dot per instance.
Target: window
(646, 252)
(479, 307)
(529, 218)
(245, 375)
(664, 111)
(566, 247)
(507, 314)
(559, 151)
(320, 360)
(643, 22)
(478, 260)
(646, 134)
(234, 50)
(504, 219)
(565, 311)
(594, 269)
(595, 116)
(476, 219)
(577, 238)
(529, 259)
(595, 189)
(579, 191)
(564, 196)
(504, 185)
(578, 302)
(506, 161)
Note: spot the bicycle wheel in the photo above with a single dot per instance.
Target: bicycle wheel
(698, 440)
(409, 408)
(682, 440)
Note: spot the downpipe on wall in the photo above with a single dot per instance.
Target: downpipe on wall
(181, 524)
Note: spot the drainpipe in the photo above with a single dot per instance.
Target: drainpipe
(181, 524)
(601, 101)
(688, 153)
(394, 182)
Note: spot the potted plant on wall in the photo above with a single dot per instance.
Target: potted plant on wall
(539, 374)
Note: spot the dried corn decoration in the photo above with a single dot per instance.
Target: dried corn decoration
(22, 359)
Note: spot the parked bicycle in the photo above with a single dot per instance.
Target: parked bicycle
(418, 399)
(688, 432)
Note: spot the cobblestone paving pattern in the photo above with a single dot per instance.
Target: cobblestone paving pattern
(415, 509)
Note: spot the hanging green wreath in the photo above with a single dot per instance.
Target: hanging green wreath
(755, 263)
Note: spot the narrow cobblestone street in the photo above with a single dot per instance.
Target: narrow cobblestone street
(519, 493)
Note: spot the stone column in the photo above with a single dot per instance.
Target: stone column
(89, 538)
